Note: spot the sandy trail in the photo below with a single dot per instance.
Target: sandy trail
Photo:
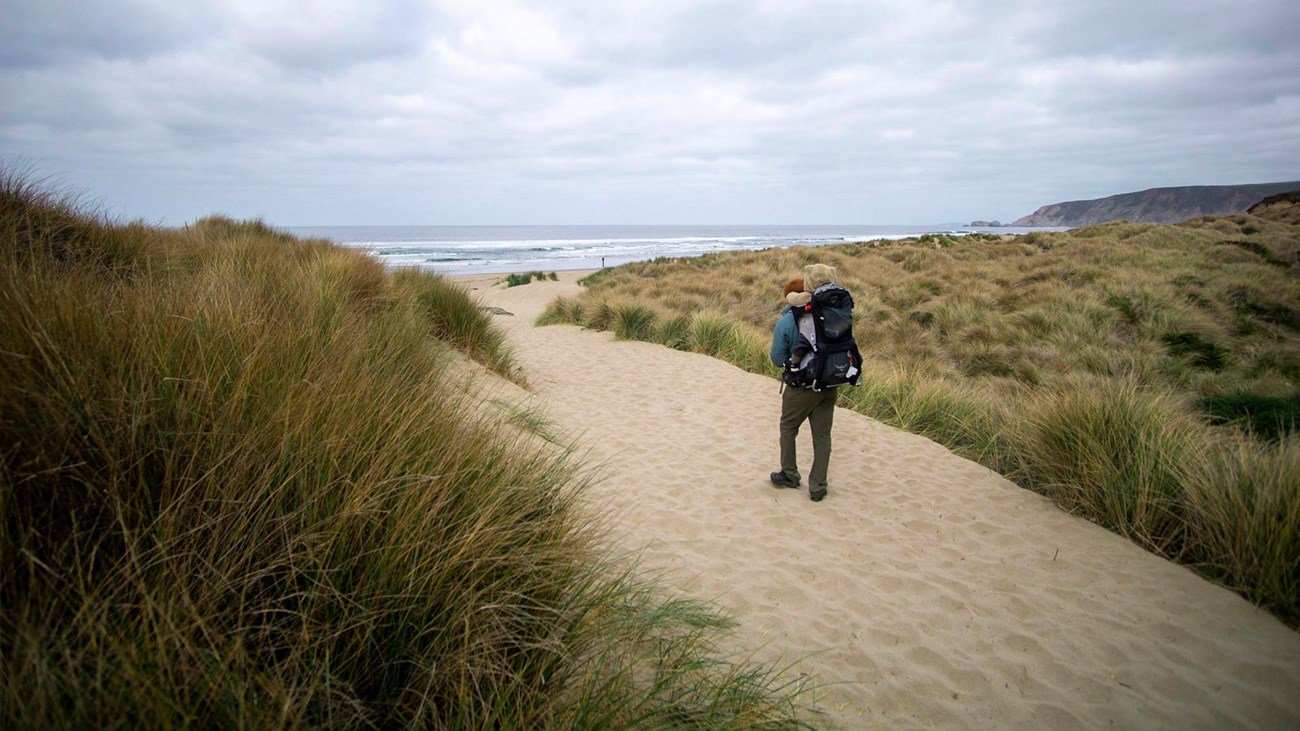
(926, 591)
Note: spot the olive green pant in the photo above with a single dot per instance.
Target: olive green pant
(818, 407)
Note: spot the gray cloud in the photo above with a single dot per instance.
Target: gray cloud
(59, 32)
(499, 111)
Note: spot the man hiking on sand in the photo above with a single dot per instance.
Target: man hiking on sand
(798, 404)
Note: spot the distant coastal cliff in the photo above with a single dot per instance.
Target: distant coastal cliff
(1157, 205)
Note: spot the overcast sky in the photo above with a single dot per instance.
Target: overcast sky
(648, 111)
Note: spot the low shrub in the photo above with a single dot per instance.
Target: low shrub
(1198, 351)
(1267, 417)
(1256, 248)
(988, 361)
(1250, 302)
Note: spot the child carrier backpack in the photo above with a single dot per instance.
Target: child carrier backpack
(835, 358)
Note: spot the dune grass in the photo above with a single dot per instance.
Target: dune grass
(1243, 509)
(518, 279)
(1145, 376)
(1113, 452)
(242, 486)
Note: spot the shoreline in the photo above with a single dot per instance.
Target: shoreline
(502, 249)
(487, 281)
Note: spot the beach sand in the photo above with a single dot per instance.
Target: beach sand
(926, 591)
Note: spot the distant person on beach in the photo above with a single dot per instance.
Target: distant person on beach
(792, 342)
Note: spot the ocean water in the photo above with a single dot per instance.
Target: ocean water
(499, 249)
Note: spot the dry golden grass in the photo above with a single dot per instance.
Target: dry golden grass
(241, 486)
(1101, 365)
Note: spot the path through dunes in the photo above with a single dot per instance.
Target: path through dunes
(926, 591)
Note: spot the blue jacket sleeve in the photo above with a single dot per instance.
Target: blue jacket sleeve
(783, 337)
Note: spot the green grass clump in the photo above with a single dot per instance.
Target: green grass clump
(716, 335)
(601, 315)
(516, 279)
(1244, 520)
(561, 311)
(1115, 454)
(452, 317)
(942, 411)
(1198, 351)
(243, 484)
(634, 322)
(724, 339)
(675, 332)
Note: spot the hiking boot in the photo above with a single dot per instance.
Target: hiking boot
(780, 480)
(817, 496)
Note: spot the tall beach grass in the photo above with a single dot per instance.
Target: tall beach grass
(243, 485)
(1147, 377)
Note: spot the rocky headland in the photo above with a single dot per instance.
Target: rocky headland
(1157, 205)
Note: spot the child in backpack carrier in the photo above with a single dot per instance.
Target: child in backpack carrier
(802, 347)
(796, 297)
(822, 352)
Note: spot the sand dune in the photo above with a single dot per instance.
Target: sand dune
(926, 591)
